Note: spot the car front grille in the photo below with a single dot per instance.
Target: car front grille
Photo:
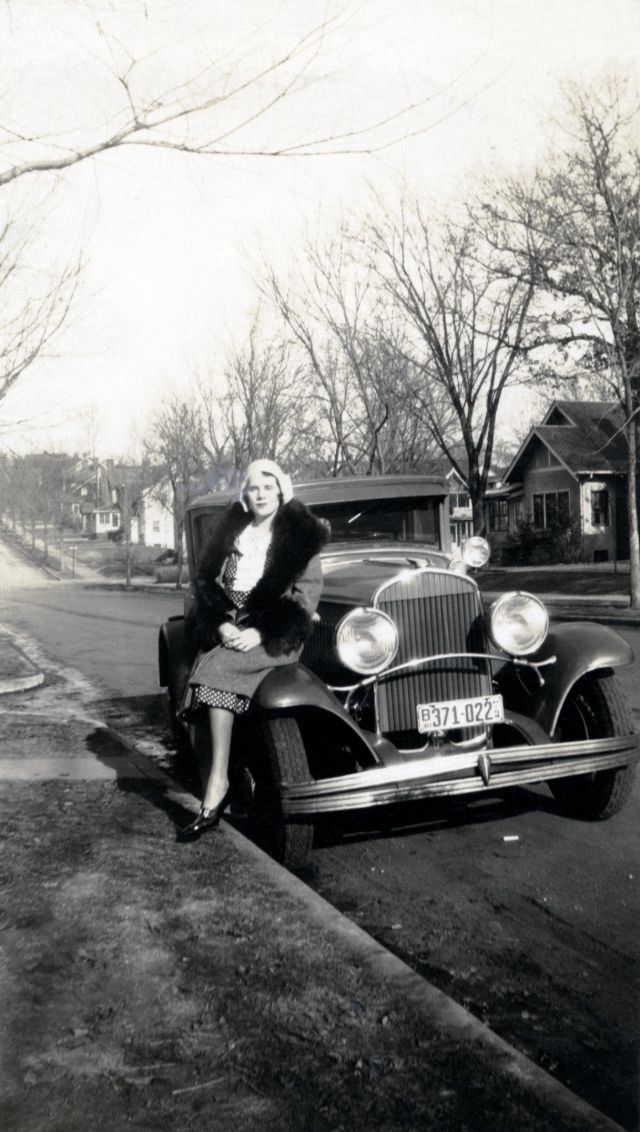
(436, 612)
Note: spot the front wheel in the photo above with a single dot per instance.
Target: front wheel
(594, 709)
(278, 756)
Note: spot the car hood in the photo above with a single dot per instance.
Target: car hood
(353, 572)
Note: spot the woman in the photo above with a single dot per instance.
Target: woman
(256, 592)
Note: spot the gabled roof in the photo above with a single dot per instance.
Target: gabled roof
(584, 436)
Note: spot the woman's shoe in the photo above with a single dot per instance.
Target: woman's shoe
(206, 819)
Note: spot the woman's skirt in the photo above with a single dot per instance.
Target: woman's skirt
(227, 678)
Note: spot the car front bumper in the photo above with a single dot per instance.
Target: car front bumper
(453, 773)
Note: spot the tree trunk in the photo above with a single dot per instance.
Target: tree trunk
(634, 536)
(477, 509)
(180, 561)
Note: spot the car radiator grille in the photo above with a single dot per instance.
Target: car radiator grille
(436, 612)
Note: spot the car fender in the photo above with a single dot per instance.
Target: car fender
(293, 686)
(579, 647)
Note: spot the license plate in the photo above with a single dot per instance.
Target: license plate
(448, 714)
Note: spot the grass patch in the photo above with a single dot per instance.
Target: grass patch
(557, 580)
(110, 558)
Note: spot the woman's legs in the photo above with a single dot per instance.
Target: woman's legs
(221, 727)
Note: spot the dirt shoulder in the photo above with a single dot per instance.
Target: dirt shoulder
(146, 983)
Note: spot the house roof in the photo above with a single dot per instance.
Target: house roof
(585, 436)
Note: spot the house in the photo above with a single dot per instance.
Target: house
(154, 523)
(461, 523)
(460, 510)
(106, 493)
(89, 499)
(569, 475)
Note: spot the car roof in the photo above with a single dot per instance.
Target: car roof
(347, 489)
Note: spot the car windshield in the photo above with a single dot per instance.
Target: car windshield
(413, 520)
(398, 520)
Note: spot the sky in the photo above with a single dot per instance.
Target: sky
(172, 244)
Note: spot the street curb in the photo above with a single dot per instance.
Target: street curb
(26, 680)
(21, 683)
(440, 1008)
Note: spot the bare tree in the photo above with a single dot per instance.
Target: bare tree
(573, 232)
(263, 410)
(214, 91)
(466, 334)
(212, 101)
(35, 300)
(176, 442)
(358, 376)
(130, 480)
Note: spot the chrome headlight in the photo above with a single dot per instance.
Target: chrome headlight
(476, 551)
(366, 640)
(519, 623)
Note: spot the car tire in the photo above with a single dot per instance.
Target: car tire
(179, 734)
(278, 756)
(595, 708)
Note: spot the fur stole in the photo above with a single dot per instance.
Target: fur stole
(284, 622)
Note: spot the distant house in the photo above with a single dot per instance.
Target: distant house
(154, 523)
(89, 499)
(104, 493)
(460, 511)
(571, 471)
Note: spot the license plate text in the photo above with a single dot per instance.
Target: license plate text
(450, 714)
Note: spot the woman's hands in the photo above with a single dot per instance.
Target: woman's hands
(241, 640)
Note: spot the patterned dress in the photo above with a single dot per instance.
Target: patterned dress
(219, 697)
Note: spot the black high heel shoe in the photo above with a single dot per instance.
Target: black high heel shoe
(206, 819)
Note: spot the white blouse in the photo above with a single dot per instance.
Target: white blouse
(252, 545)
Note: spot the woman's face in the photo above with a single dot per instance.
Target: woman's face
(262, 495)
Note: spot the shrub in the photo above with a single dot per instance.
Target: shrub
(528, 546)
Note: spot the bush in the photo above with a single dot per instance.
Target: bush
(528, 546)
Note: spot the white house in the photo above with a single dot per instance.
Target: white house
(153, 525)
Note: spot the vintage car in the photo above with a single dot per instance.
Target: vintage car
(408, 688)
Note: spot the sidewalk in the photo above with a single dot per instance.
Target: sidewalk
(150, 984)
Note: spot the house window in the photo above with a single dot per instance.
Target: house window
(156, 526)
(600, 508)
(551, 510)
(460, 499)
(115, 519)
(103, 517)
(498, 515)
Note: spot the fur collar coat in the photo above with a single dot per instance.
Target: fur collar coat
(281, 605)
